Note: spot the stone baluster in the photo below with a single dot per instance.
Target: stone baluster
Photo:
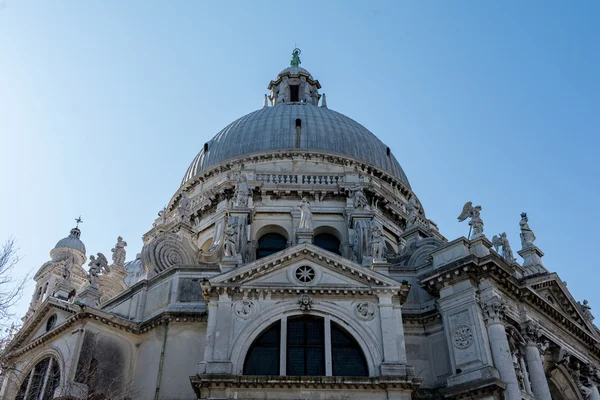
(494, 315)
(537, 376)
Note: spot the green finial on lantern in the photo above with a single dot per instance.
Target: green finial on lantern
(296, 58)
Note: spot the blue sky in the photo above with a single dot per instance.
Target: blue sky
(103, 105)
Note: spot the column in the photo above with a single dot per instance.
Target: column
(595, 395)
(493, 313)
(537, 376)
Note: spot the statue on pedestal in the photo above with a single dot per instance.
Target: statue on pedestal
(360, 200)
(183, 209)
(119, 253)
(586, 310)
(377, 244)
(527, 235)
(242, 191)
(476, 222)
(412, 211)
(502, 241)
(306, 221)
(94, 272)
(68, 267)
(231, 240)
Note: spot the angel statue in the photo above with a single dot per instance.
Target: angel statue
(118, 251)
(502, 241)
(101, 262)
(305, 215)
(475, 223)
(360, 200)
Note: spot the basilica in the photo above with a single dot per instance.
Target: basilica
(296, 262)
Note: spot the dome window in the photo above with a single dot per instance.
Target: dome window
(294, 93)
(298, 132)
(387, 151)
(205, 147)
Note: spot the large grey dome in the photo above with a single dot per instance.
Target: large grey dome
(274, 128)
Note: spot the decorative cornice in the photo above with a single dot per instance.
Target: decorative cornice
(208, 382)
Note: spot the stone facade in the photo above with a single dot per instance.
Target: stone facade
(239, 293)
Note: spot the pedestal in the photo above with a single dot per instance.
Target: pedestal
(532, 260)
(304, 236)
(63, 290)
(480, 247)
(381, 266)
(230, 262)
(89, 296)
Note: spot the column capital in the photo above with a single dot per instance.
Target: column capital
(494, 310)
(531, 333)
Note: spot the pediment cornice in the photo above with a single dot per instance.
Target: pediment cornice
(247, 277)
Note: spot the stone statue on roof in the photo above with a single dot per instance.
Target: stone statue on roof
(527, 235)
(118, 251)
(476, 222)
(502, 241)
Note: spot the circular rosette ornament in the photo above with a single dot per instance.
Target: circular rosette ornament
(245, 308)
(365, 310)
(463, 336)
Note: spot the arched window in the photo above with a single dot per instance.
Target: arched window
(306, 350)
(328, 242)
(346, 355)
(263, 357)
(41, 382)
(269, 244)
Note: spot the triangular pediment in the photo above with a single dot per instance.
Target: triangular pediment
(306, 266)
(37, 324)
(550, 289)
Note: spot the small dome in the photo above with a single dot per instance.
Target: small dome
(72, 242)
(135, 271)
(295, 70)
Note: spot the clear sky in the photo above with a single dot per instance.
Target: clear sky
(103, 105)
